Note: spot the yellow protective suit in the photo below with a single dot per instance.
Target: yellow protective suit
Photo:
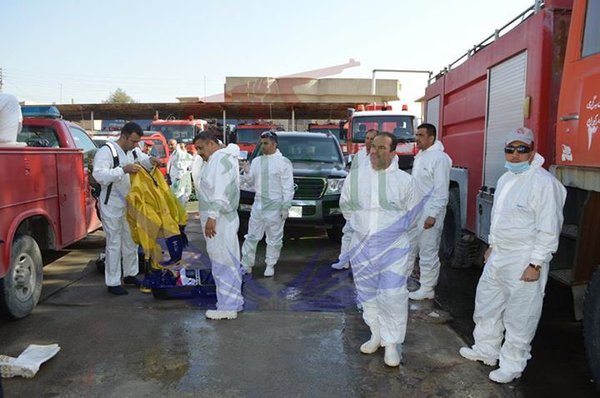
(153, 212)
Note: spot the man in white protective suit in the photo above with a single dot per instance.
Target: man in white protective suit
(382, 203)
(361, 156)
(431, 170)
(115, 186)
(219, 197)
(179, 169)
(525, 227)
(272, 177)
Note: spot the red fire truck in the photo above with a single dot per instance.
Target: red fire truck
(332, 128)
(45, 203)
(247, 135)
(542, 71)
(181, 130)
(383, 118)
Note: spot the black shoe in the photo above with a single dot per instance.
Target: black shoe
(117, 290)
(132, 280)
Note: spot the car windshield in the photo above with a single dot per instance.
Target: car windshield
(180, 132)
(308, 149)
(249, 136)
(331, 130)
(399, 125)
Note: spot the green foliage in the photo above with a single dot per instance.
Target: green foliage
(119, 96)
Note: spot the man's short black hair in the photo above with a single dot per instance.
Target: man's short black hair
(204, 136)
(132, 128)
(430, 128)
(394, 141)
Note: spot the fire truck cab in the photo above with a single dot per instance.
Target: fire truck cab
(382, 118)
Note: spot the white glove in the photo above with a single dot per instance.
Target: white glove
(284, 214)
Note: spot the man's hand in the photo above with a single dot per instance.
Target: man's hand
(210, 229)
(487, 253)
(284, 214)
(131, 168)
(155, 161)
(530, 274)
(429, 222)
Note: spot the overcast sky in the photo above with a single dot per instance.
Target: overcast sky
(81, 50)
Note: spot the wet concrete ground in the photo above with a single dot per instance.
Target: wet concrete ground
(299, 337)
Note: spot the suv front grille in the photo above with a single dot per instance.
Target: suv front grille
(308, 187)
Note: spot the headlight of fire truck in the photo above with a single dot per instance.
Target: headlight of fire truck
(334, 186)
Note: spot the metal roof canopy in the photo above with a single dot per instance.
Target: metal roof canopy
(207, 110)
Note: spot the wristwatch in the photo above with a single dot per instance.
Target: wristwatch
(538, 268)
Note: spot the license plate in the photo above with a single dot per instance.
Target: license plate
(295, 212)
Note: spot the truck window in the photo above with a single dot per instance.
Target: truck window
(39, 136)
(83, 141)
(591, 32)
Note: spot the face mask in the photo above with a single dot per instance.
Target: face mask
(517, 168)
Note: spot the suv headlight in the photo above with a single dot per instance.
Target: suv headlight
(334, 186)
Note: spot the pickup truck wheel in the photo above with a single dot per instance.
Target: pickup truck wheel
(21, 288)
(591, 326)
(457, 249)
(335, 233)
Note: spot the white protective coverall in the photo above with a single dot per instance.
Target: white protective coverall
(196, 169)
(219, 197)
(11, 119)
(272, 177)
(431, 170)
(119, 244)
(526, 223)
(178, 167)
(382, 207)
(361, 156)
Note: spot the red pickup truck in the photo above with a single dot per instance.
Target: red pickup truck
(45, 202)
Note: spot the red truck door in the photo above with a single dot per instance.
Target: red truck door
(577, 135)
(71, 194)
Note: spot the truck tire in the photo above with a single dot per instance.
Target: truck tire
(457, 248)
(591, 326)
(21, 288)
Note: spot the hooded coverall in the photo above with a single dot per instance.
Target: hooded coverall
(431, 170)
(525, 228)
(219, 197)
(272, 177)
(382, 206)
(119, 244)
(178, 167)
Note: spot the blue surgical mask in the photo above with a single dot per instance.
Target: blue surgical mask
(517, 168)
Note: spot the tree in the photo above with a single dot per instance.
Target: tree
(119, 96)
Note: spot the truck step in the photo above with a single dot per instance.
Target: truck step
(562, 275)
(569, 231)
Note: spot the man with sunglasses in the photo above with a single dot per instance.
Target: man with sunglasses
(525, 227)
(272, 177)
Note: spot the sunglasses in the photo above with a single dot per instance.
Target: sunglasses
(268, 134)
(509, 149)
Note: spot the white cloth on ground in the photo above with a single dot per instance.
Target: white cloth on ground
(28, 363)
